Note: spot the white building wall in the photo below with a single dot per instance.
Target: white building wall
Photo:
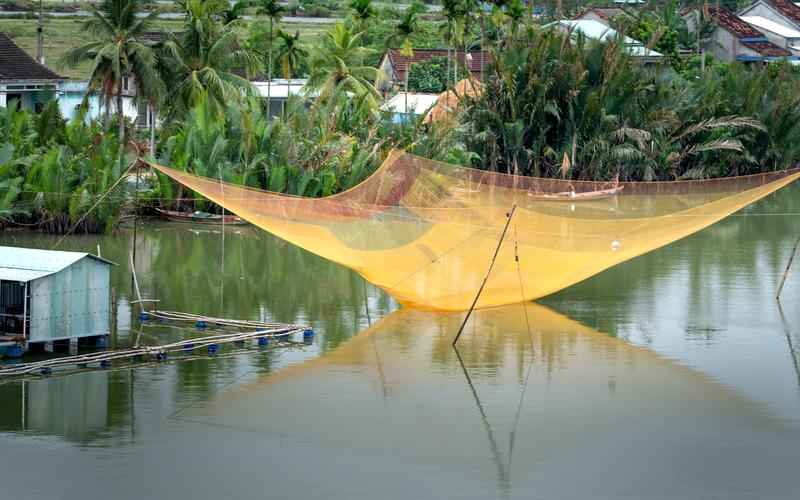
(763, 9)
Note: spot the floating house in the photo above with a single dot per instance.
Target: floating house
(23, 80)
(48, 296)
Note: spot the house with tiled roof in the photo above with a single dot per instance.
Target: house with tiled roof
(602, 15)
(785, 12)
(734, 39)
(394, 65)
(22, 79)
(779, 20)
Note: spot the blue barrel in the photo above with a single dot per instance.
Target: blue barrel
(188, 347)
(106, 363)
(263, 341)
(144, 316)
(14, 351)
(46, 371)
(161, 356)
(213, 349)
(201, 325)
(308, 333)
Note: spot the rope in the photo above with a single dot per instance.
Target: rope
(74, 226)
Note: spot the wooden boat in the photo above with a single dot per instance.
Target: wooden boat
(200, 217)
(573, 196)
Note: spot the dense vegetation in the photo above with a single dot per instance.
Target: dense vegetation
(553, 105)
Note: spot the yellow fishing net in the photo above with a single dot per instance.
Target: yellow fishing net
(426, 231)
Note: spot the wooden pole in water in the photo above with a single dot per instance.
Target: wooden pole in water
(135, 223)
(486, 278)
(788, 266)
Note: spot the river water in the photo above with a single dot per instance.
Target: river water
(674, 375)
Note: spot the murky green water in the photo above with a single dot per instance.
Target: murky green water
(672, 376)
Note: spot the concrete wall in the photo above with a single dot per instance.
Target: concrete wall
(724, 46)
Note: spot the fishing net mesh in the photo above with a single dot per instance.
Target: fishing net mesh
(426, 231)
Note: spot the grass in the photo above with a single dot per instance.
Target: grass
(62, 34)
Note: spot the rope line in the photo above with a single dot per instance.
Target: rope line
(86, 214)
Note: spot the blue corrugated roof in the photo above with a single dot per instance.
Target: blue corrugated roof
(28, 264)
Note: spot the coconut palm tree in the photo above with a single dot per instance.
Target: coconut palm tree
(402, 37)
(455, 13)
(290, 53)
(272, 10)
(363, 11)
(207, 58)
(337, 66)
(117, 52)
(234, 11)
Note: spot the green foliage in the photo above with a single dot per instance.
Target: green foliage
(52, 172)
(431, 76)
(661, 29)
(116, 52)
(549, 97)
(206, 60)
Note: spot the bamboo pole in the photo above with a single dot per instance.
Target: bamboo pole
(486, 278)
(786, 271)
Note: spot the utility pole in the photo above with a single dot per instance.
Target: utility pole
(40, 36)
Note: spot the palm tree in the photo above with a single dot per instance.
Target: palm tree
(337, 66)
(117, 53)
(207, 58)
(290, 53)
(363, 11)
(272, 10)
(234, 11)
(402, 34)
(455, 12)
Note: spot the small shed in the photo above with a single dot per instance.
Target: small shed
(48, 295)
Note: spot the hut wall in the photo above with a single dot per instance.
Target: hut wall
(71, 303)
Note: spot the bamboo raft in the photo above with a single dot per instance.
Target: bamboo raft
(262, 332)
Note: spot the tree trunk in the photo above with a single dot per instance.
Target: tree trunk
(447, 74)
(152, 131)
(483, 42)
(408, 70)
(106, 103)
(269, 75)
(120, 114)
